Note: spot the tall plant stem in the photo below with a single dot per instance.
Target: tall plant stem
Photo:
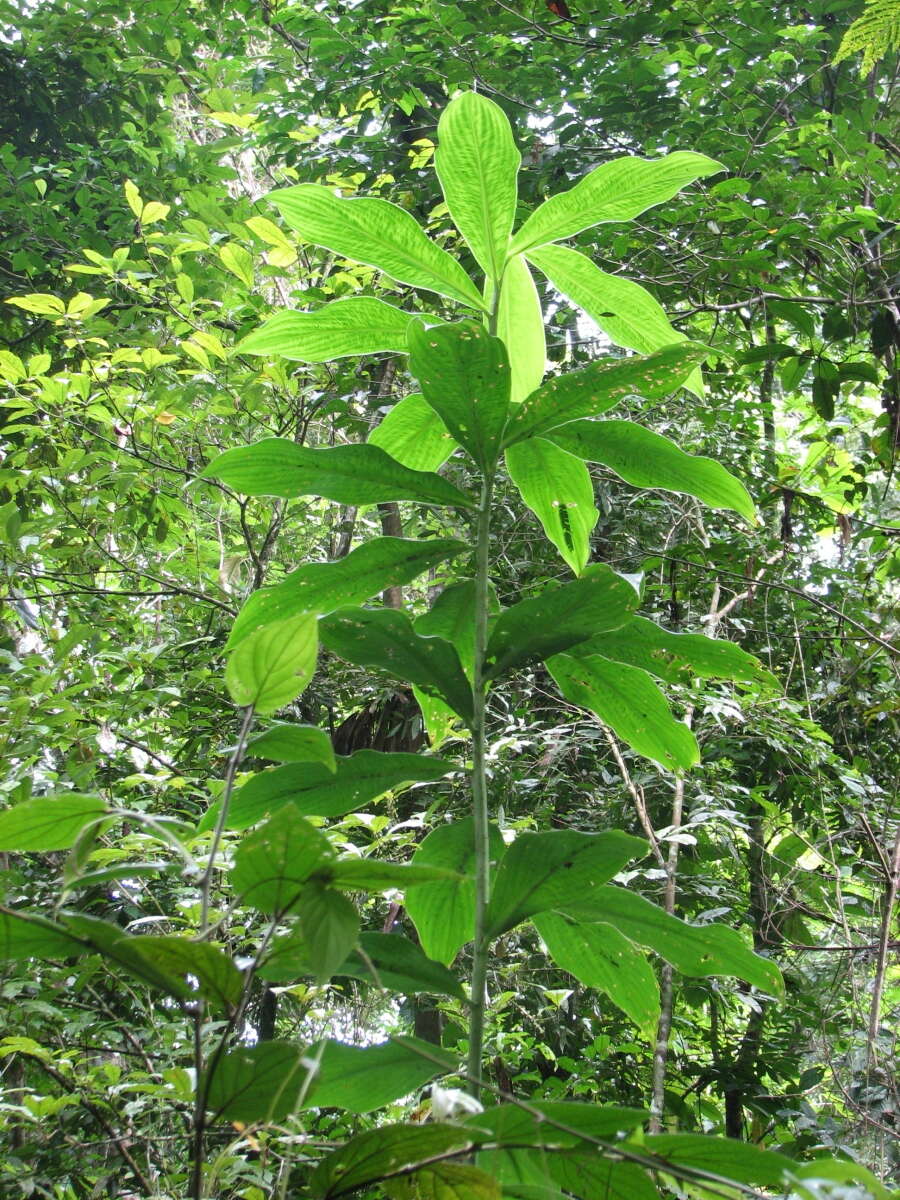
(479, 789)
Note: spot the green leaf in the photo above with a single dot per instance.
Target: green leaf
(29, 935)
(373, 875)
(625, 311)
(697, 950)
(322, 587)
(557, 488)
(477, 163)
(392, 961)
(600, 957)
(358, 325)
(616, 191)
(313, 790)
(273, 665)
(48, 822)
(507, 1123)
(384, 1152)
(347, 474)
(444, 913)
(438, 718)
(377, 233)
(218, 979)
(452, 617)
(414, 434)
(256, 1084)
(330, 925)
(384, 638)
(592, 390)
(238, 261)
(626, 699)
(834, 1170)
(741, 1162)
(444, 1181)
(679, 657)
(360, 1079)
(465, 377)
(648, 460)
(520, 325)
(541, 870)
(273, 864)
(293, 743)
(559, 618)
(586, 1173)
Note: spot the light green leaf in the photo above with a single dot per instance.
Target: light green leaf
(377, 233)
(520, 325)
(347, 474)
(648, 460)
(465, 377)
(602, 958)
(256, 1084)
(592, 390)
(557, 487)
(273, 864)
(438, 718)
(414, 435)
(384, 638)
(387, 1151)
(625, 311)
(322, 587)
(360, 1079)
(48, 822)
(39, 303)
(330, 925)
(626, 699)
(444, 913)
(359, 325)
(314, 790)
(477, 163)
(559, 618)
(697, 950)
(238, 261)
(541, 870)
(452, 617)
(293, 743)
(616, 191)
(834, 1170)
(272, 666)
(508, 1123)
(392, 961)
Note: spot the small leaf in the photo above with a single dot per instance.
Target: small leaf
(557, 488)
(520, 325)
(377, 233)
(387, 1151)
(238, 261)
(347, 474)
(273, 864)
(323, 587)
(133, 196)
(559, 618)
(330, 925)
(465, 377)
(541, 870)
(272, 666)
(616, 191)
(648, 460)
(414, 435)
(626, 699)
(294, 743)
(384, 638)
(48, 822)
(359, 325)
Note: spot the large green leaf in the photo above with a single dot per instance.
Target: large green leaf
(359, 325)
(678, 657)
(452, 617)
(626, 699)
(586, 1173)
(384, 638)
(557, 487)
(374, 875)
(477, 163)
(520, 325)
(625, 311)
(648, 460)
(30, 935)
(414, 434)
(616, 191)
(538, 1125)
(273, 665)
(592, 390)
(218, 979)
(377, 233)
(313, 790)
(360, 1079)
(348, 474)
(541, 870)
(256, 1084)
(48, 822)
(602, 958)
(698, 950)
(444, 1181)
(293, 743)
(322, 587)
(444, 913)
(330, 926)
(384, 1152)
(465, 377)
(392, 961)
(273, 863)
(734, 1160)
(559, 618)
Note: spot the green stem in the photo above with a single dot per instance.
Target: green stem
(479, 790)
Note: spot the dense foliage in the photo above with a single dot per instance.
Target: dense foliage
(451, 735)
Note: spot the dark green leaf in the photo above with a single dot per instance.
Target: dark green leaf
(256, 1084)
(559, 1123)
(29, 935)
(330, 925)
(294, 743)
(272, 864)
(380, 1153)
(587, 1173)
(392, 961)
(444, 1181)
(733, 1160)
(360, 1079)
(452, 617)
